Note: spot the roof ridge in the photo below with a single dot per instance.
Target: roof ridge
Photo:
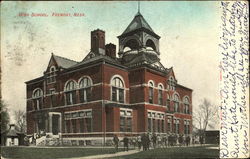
(65, 58)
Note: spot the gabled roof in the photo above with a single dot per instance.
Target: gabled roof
(138, 23)
(64, 62)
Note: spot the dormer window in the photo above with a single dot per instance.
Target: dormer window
(51, 78)
(171, 83)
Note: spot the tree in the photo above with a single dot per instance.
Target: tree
(4, 117)
(20, 119)
(206, 115)
(4, 122)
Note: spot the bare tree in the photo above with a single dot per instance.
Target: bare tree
(206, 115)
(20, 118)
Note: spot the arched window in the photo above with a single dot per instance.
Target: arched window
(168, 102)
(160, 94)
(171, 83)
(85, 89)
(186, 105)
(117, 90)
(37, 98)
(150, 45)
(70, 92)
(151, 92)
(176, 103)
(52, 75)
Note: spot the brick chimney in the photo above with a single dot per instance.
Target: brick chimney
(110, 50)
(98, 41)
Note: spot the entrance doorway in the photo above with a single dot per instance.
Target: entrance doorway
(55, 124)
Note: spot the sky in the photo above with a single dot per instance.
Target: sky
(189, 40)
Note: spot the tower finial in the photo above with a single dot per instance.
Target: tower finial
(139, 6)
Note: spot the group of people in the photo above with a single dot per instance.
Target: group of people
(146, 140)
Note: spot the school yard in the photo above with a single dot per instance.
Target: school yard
(205, 151)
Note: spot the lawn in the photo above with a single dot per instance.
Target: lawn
(52, 153)
(199, 152)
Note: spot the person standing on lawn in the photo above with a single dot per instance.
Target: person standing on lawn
(180, 140)
(125, 141)
(154, 139)
(116, 142)
(187, 141)
(139, 141)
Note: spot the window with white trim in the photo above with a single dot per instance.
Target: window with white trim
(155, 121)
(52, 92)
(186, 105)
(177, 126)
(125, 120)
(85, 89)
(176, 103)
(117, 90)
(169, 128)
(168, 102)
(83, 117)
(171, 83)
(70, 92)
(186, 126)
(151, 92)
(160, 95)
(37, 98)
(51, 75)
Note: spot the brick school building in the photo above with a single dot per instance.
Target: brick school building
(124, 92)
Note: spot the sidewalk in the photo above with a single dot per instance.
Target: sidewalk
(118, 154)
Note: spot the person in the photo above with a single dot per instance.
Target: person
(201, 140)
(180, 140)
(147, 141)
(125, 141)
(158, 141)
(165, 140)
(187, 141)
(154, 138)
(116, 141)
(144, 143)
(139, 141)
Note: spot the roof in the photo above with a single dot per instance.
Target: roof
(64, 62)
(138, 23)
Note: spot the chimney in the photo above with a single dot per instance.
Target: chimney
(98, 41)
(110, 50)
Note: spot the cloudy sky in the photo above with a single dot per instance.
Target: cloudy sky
(189, 40)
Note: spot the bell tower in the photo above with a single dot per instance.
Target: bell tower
(138, 36)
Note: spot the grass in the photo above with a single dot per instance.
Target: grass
(52, 153)
(199, 152)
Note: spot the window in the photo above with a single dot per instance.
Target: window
(160, 95)
(82, 117)
(70, 93)
(37, 98)
(168, 102)
(51, 75)
(169, 124)
(52, 97)
(176, 103)
(171, 83)
(155, 121)
(126, 120)
(151, 92)
(177, 126)
(85, 89)
(117, 90)
(186, 106)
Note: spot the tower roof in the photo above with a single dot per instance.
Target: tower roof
(138, 23)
